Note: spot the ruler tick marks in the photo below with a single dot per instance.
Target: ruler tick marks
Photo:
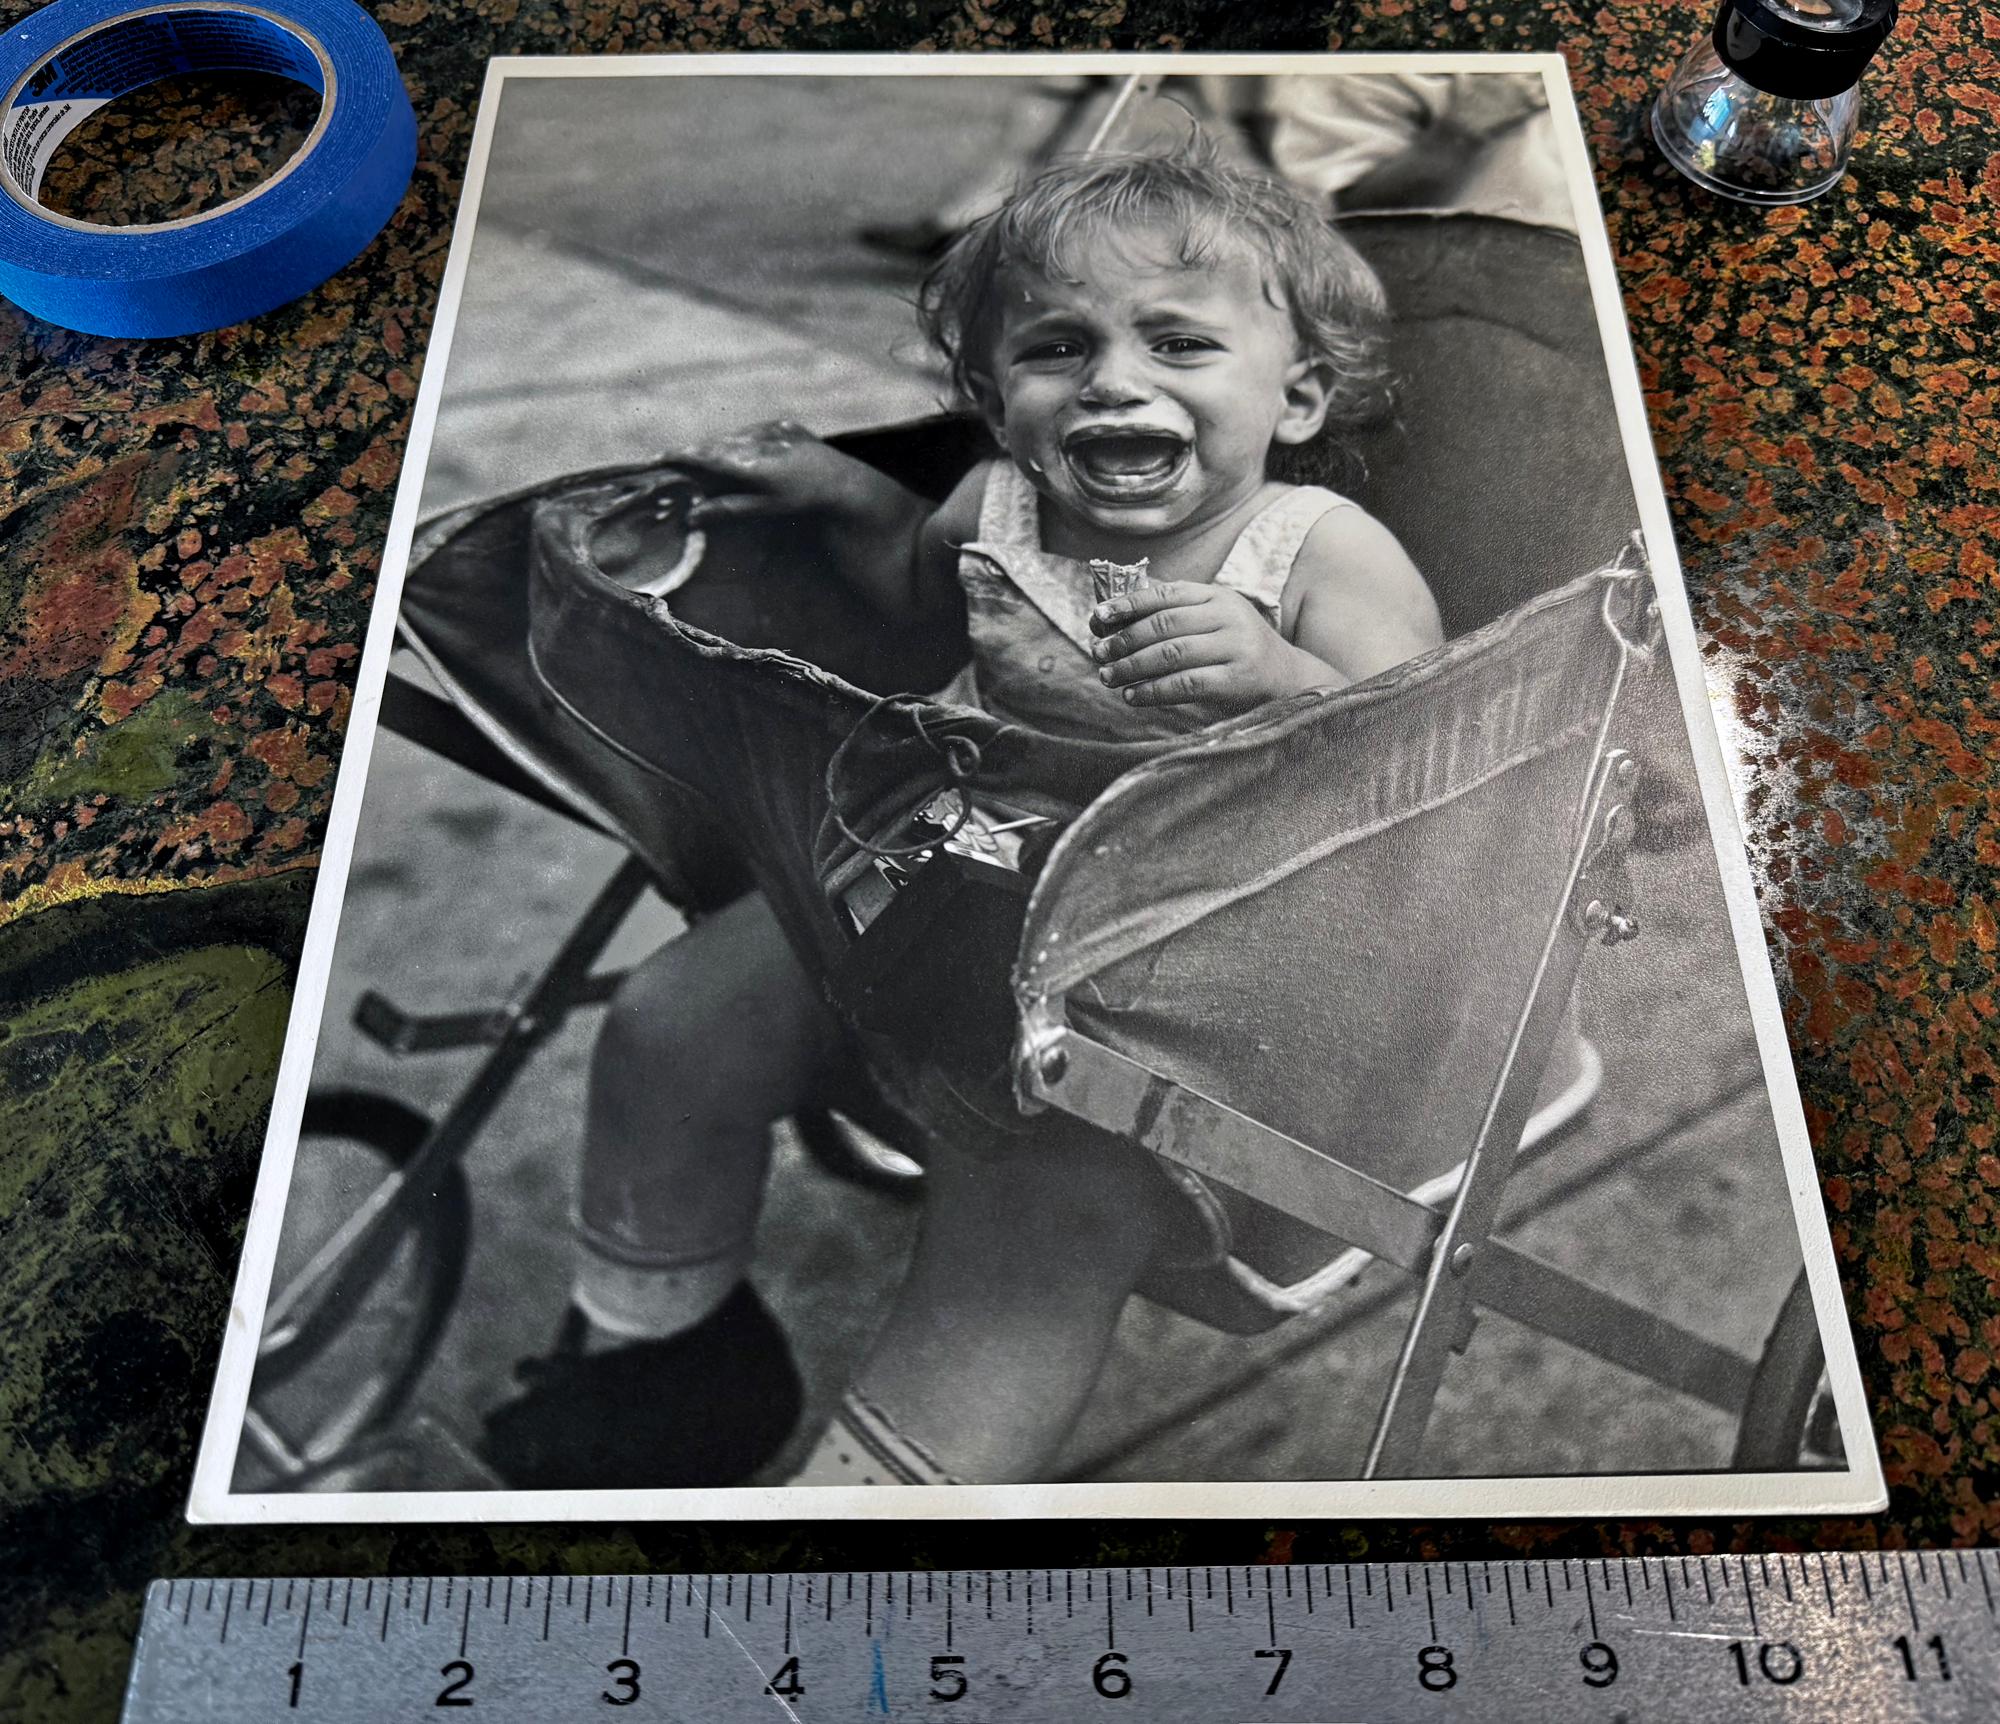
(1826, 1580)
(288, 1595)
(1944, 1580)
(1909, 1598)
(388, 1599)
(1920, 1567)
(507, 1603)
(1465, 1573)
(1749, 1595)
(1229, 1591)
(1010, 1592)
(1430, 1603)
(948, 1620)
(347, 1604)
(1069, 1592)
(464, 1625)
(548, 1605)
(1784, 1579)
(228, 1599)
(1350, 1601)
(305, 1621)
(430, 1586)
(589, 1592)
(1667, 1576)
(270, 1592)
(1309, 1589)
(1625, 1574)
(1110, 1627)
(1568, 1584)
(1149, 1594)
(1707, 1585)
(1507, 1582)
(625, 1639)
(1590, 1603)
(1548, 1590)
(869, 1624)
(449, 1583)
(1979, 1562)
(1867, 1591)
(1270, 1607)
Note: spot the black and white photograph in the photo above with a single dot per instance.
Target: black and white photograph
(1031, 827)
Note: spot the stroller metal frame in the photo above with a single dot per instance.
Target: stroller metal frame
(1452, 1248)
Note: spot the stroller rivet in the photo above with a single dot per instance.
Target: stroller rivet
(1053, 1065)
(1461, 1259)
(1628, 769)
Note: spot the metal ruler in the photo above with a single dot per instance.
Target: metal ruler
(1910, 1635)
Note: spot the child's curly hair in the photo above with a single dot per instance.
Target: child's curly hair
(1335, 301)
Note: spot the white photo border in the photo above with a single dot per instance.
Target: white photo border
(1859, 1489)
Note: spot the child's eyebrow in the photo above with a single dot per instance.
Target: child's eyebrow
(1157, 316)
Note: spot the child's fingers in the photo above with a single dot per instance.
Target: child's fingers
(1164, 658)
(1175, 622)
(1183, 688)
(1145, 601)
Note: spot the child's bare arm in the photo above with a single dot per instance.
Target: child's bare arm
(891, 545)
(1355, 602)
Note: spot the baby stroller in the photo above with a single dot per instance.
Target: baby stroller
(1030, 933)
(1341, 1030)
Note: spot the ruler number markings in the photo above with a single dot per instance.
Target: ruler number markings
(1912, 1626)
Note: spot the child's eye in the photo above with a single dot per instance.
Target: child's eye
(1186, 346)
(1053, 352)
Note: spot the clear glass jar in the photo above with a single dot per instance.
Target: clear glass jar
(1746, 143)
(1764, 110)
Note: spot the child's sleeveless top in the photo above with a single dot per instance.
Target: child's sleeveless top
(1029, 612)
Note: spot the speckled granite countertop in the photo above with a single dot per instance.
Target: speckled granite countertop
(191, 534)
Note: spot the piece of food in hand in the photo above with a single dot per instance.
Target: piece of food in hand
(1109, 580)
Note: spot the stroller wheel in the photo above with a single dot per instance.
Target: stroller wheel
(1788, 1417)
(849, 1153)
(322, 1390)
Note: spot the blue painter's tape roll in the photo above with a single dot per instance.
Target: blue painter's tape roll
(280, 239)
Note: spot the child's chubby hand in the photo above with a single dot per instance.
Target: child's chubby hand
(772, 469)
(1181, 643)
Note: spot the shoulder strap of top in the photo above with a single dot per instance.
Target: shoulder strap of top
(1009, 511)
(1260, 562)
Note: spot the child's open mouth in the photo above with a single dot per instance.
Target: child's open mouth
(1125, 466)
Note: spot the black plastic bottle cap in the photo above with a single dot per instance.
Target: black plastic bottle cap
(1805, 49)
